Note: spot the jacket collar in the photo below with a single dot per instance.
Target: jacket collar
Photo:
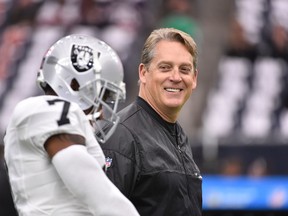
(171, 127)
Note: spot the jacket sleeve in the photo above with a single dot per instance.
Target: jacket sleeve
(122, 159)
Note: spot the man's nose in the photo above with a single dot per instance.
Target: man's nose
(175, 75)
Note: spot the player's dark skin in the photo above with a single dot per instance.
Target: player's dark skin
(58, 142)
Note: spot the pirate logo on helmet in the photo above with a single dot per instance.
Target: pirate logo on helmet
(82, 58)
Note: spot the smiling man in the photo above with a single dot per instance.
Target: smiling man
(150, 159)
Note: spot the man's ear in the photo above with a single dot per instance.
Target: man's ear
(195, 76)
(142, 72)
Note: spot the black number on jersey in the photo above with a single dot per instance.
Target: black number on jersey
(63, 119)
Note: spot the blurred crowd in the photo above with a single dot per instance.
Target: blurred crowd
(250, 98)
(29, 27)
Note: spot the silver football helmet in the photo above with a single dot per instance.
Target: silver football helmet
(85, 70)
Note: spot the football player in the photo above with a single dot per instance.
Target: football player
(55, 164)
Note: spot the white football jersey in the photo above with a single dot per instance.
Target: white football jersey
(37, 188)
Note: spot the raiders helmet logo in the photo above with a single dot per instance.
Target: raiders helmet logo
(82, 58)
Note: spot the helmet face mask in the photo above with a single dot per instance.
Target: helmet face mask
(87, 71)
(104, 107)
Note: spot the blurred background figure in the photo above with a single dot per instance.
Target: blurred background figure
(180, 14)
(231, 166)
(258, 168)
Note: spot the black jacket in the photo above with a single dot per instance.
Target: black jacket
(151, 163)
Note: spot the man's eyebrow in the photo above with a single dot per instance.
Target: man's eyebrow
(186, 64)
(164, 62)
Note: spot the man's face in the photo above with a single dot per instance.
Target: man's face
(170, 79)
